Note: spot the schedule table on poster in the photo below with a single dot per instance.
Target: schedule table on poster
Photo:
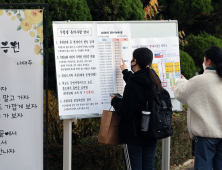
(110, 53)
(113, 44)
(166, 61)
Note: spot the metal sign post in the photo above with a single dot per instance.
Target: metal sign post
(166, 154)
(67, 144)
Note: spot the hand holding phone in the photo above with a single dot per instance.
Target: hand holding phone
(116, 95)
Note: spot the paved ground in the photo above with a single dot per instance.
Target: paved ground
(188, 165)
(189, 168)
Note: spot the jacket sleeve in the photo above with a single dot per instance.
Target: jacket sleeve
(185, 88)
(126, 75)
(129, 104)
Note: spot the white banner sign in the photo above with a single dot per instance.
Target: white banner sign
(21, 89)
(166, 59)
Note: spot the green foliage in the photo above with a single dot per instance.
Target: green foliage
(180, 143)
(51, 70)
(93, 157)
(59, 10)
(84, 131)
(186, 11)
(85, 128)
(55, 125)
(116, 10)
(194, 16)
(210, 24)
(188, 68)
(158, 156)
(89, 154)
(90, 140)
(197, 45)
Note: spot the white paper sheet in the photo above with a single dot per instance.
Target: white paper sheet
(77, 68)
(114, 43)
(166, 59)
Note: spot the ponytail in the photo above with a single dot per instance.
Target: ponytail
(214, 53)
(156, 80)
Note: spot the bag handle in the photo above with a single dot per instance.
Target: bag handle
(110, 108)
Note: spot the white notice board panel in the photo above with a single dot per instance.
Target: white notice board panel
(157, 29)
(21, 90)
(76, 55)
(112, 40)
(166, 60)
(114, 43)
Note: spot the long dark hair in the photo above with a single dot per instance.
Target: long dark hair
(214, 53)
(144, 58)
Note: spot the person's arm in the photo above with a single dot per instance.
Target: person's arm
(129, 104)
(126, 75)
(185, 88)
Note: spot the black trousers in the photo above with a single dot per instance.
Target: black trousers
(138, 157)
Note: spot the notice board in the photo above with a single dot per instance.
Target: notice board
(88, 56)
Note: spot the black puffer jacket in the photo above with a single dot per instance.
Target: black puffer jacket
(138, 88)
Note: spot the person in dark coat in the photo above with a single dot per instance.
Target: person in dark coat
(138, 146)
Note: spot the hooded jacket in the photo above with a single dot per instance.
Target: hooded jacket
(129, 108)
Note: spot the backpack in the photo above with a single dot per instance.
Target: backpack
(161, 115)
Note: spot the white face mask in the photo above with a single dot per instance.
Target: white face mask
(204, 66)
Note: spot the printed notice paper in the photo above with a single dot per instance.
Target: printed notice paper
(88, 59)
(166, 60)
(76, 55)
(113, 44)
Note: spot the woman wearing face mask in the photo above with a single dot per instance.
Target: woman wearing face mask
(138, 147)
(203, 94)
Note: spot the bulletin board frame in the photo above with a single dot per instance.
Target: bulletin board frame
(139, 29)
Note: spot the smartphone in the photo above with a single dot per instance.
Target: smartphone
(116, 95)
